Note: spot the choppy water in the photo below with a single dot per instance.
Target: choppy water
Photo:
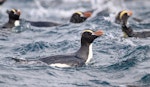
(116, 62)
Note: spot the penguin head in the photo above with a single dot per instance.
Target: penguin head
(125, 13)
(79, 17)
(88, 36)
(123, 16)
(14, 14)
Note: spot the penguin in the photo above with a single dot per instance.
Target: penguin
(14, 15)
(77, 59)
(128, 32)
(122, 17)
(79, 17)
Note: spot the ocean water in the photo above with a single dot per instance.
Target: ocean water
(117, 61)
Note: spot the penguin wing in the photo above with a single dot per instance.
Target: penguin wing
(70, 60)
(44, 24)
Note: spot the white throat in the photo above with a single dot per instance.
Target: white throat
(17, 23)
(90, 55)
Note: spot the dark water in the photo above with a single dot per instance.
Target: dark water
(116, 61)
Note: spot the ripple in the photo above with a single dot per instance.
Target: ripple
(32, 47)
(145, 79)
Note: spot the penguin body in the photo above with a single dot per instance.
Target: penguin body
(14, 20)
(79, 58)
(130, 33)
(43, 24)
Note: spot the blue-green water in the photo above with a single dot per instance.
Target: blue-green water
(116, 61)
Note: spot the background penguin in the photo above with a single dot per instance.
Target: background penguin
(79, 17)
(13, 21)
(128, 32)
(43, 24)
(122, 17)
(79, 58)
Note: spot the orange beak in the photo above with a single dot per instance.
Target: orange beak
(99, 33)
(87, 14)
(129, 13)
(18, 12)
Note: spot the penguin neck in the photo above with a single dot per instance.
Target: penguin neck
(128, 32)
(85, 52)
(124, 19)
(15, 22)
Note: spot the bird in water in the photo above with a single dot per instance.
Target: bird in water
(122, 19)
(79, 58)
(77, 17)
(14, 18)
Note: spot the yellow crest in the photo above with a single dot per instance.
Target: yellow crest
(79, 12)
(88, 31)
(122, 13)
(13, 10)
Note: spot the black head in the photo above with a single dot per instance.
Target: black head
(79, 17)
(14, 14)
(123, 16)
(88, 36)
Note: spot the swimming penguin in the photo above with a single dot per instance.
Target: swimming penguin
(79, 17)
(128, 32)
(123, 16)
(79, 58)
(43, 23)
(13, 21)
